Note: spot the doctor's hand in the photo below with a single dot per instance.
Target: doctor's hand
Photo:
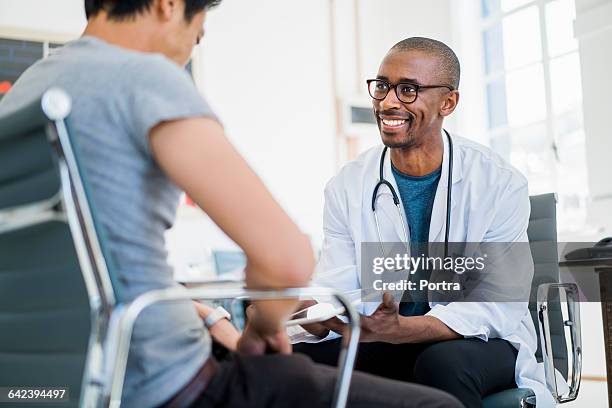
(260, 338)
(382, 325)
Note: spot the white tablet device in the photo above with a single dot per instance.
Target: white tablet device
(323, 311)
(317, 313)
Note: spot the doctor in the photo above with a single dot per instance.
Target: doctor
(449, 189)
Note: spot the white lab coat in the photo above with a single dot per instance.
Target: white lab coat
(490, 203)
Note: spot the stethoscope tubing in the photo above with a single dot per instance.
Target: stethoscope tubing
(396, 200)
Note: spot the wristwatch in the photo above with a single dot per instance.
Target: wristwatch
(216, 315)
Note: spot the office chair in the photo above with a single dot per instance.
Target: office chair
(545, 307)
(62, 321)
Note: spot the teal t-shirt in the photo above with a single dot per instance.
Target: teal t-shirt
(417, 194)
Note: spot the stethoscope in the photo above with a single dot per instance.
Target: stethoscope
(396, 200)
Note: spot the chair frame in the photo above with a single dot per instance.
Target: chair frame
(112, 322)
(573, 322)
(125, 316)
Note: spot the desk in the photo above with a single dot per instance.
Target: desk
(603, 267)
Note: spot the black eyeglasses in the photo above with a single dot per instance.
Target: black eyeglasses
(406, 92)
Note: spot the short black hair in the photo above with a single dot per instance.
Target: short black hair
(450, 67)
(126, 9)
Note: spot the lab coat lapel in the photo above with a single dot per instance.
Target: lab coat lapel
(438, 213)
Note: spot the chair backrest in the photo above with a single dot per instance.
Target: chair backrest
(542, 232)
(51, 292)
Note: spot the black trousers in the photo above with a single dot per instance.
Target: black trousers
(280, 381)
(469, 369)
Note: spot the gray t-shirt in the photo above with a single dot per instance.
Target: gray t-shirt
(118, 95)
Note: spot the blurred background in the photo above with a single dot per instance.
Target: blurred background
(287, 78)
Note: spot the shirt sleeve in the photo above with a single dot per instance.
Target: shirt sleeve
(159, 91)
(337, 266)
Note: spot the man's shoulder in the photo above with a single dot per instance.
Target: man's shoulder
(478, 158)
(124, 66)
(95, 54)
(153, 71)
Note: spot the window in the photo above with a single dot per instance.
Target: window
(534, 98)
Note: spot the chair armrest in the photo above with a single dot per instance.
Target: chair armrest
(573, 322)
(124, 316)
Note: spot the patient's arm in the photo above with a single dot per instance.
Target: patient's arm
(197, 156)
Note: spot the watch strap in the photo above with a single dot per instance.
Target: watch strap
(216, 315)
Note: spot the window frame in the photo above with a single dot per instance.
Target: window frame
(549, 122)
(495, 19)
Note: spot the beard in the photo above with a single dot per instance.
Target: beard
(395, 140)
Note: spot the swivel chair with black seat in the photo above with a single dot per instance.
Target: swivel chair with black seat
(546, 308)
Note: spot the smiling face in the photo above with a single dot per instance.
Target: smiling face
(408, 125)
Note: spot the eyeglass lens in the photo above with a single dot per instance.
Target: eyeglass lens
(406, 93)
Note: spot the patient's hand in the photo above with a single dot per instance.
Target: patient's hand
(257, 339)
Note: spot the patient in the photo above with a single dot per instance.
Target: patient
(144, 135)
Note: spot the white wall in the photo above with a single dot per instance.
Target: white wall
(593, 29)
(266, 72)
(384, 23)
(58, 16)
